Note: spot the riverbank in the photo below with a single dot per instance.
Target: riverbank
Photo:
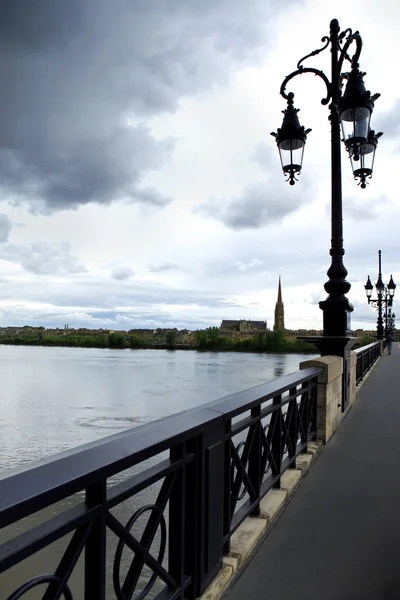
(210, 339)
(60, 343)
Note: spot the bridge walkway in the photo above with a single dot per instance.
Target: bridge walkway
(339, 538)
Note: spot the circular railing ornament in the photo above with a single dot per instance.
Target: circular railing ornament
(40, 580)
(118, 554)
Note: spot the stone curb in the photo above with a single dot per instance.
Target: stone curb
(253, 530)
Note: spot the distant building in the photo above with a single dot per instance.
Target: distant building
(143, 334)
(294, 333)
(279, 310)
(242, 326)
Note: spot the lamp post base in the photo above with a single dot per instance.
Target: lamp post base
(336, 315)
(331, 345)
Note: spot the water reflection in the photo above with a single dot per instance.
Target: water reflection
(279, 368)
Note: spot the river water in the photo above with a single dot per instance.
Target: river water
(52, 399)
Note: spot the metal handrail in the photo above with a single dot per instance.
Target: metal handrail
(367, 347)
(366, 357)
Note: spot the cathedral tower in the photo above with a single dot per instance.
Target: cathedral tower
(279, 310)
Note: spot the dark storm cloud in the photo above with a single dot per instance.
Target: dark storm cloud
(122, 274)
(5, 228)
(163, 267)
(82, 291)
(43, 258)
(262, 204)
(21, 315)
(258, 205)
(73, 71)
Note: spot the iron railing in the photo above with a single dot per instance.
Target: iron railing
(366, 356)
(221, 460)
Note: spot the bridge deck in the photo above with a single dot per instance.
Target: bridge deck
(339, 538)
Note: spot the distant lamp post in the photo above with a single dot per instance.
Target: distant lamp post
(350, 111)
(391, 287)
(384, 301)
(392, 323)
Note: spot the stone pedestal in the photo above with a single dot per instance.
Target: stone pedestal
(329, 394)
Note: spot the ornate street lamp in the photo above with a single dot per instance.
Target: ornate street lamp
(385, 294)
(355, 110)
(291, 139)
(368, 289)
(391, 287)
(351, 112)
(362, 160)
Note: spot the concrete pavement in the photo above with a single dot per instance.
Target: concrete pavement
(339, 538)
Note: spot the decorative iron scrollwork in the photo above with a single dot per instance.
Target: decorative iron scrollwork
(314, 52)
(241, 469)
(346, 38)
(345, 33)
(272, 432)
(353, 37)
(267, 455)
(301, 71)
(135, 570)
(41, 580)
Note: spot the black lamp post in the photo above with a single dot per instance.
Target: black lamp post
(352, 109)
(391, 322)
(385, 294)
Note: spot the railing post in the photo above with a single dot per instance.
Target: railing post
(95, 548)
(277, 450)
(314, 410)
(196, 513)
(254, 469)
(366, 366)
(213, 506)
(184, 528)
(211, 503)
(292, 427)
(305, 416)
(227, 485)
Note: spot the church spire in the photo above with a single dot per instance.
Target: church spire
(279, 309)
(279, 292)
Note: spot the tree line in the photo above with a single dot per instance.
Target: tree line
(206, 339)
(266, 341)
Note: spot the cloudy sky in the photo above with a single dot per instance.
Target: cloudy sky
(139, 183)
